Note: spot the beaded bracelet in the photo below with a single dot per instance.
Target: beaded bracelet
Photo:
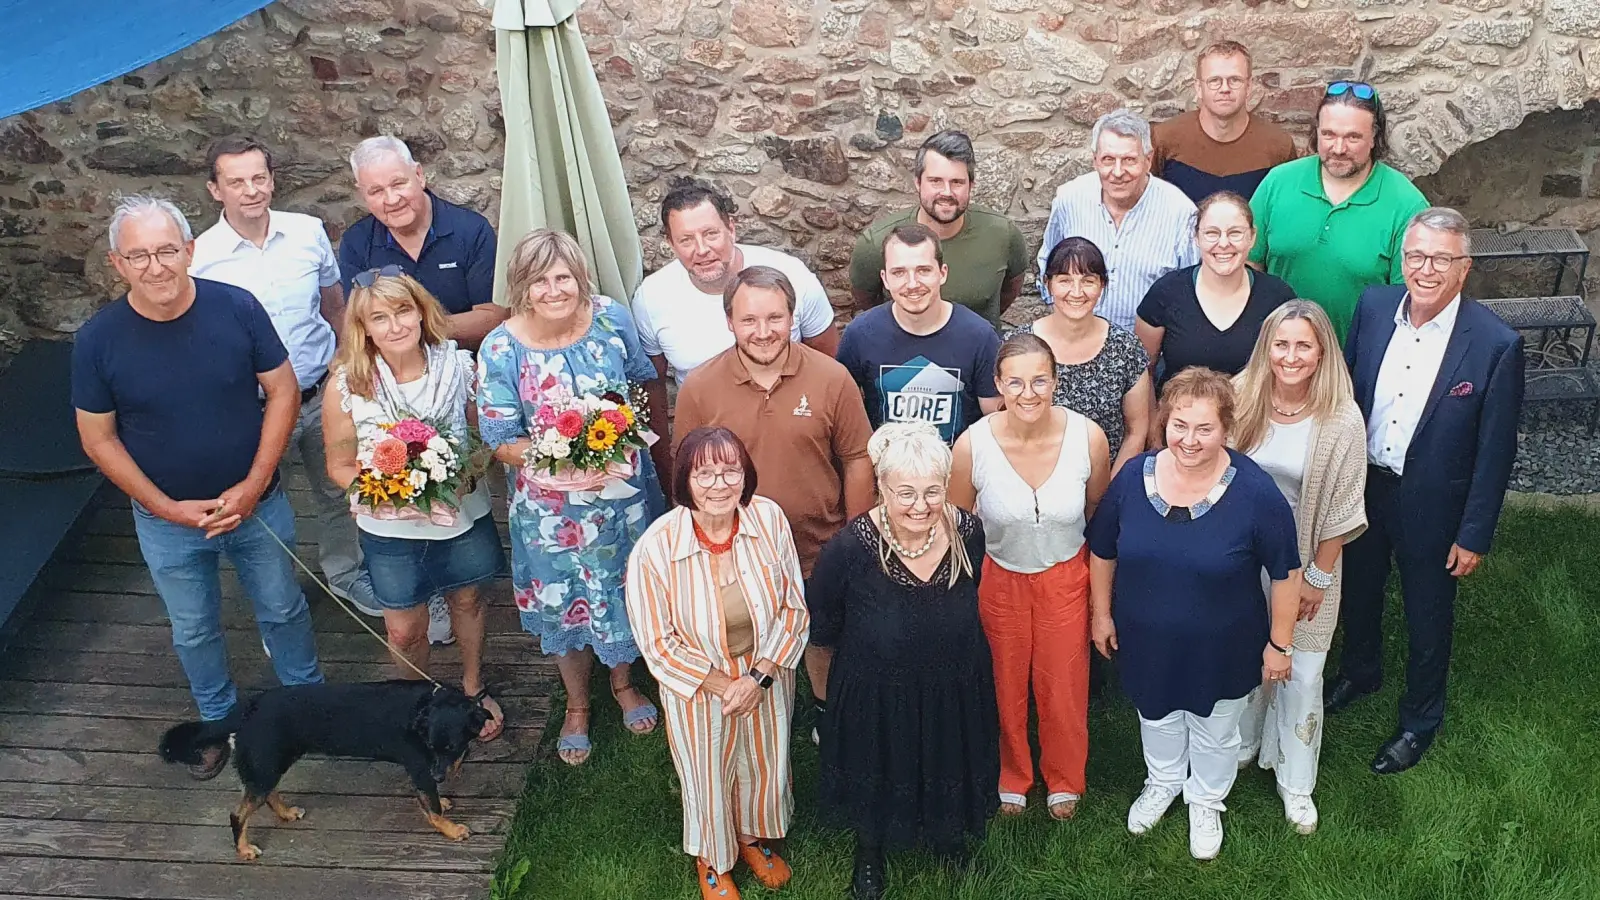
(1317, 578)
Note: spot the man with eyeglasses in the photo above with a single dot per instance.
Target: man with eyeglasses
(796, 409)
(1332, 224)
(168, 382)
(1220, 146)
(448, 248)
(1439, 379)
(285, 260)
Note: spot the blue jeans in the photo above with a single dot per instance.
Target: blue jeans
(184, 565)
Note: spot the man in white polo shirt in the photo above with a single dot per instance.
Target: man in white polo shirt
(678, 309)
(286, 261)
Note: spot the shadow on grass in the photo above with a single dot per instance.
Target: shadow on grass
(1505, 807)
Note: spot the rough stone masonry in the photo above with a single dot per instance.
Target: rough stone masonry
(807, 110)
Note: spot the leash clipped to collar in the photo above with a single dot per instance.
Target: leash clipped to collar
(346, 607)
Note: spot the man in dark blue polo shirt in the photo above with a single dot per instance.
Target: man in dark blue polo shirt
(167, 382)
(449, 248)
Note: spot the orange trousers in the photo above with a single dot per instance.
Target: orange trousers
(1038, 630)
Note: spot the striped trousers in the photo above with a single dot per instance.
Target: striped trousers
(734, 771)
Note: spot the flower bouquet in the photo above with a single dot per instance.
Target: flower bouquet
(585, 442)
(412, 469)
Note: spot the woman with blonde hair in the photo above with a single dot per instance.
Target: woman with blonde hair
(395, 362)
(569, 548)
(910, 738)
(1298, 419)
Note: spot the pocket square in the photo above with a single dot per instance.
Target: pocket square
(1464, 389)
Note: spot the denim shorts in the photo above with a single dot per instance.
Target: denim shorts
(407, 571)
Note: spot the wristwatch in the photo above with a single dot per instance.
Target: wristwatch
(764, 681)
(1286, 651)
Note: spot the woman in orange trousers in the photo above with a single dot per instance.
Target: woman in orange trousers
(1033, 473)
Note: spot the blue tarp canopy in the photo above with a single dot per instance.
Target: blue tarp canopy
(60, 47)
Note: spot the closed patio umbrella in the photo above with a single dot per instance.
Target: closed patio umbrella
(562, 169)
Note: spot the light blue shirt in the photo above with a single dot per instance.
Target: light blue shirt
(286, 274)
(1156, 236)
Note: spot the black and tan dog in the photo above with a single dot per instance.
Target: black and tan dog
(424, 728)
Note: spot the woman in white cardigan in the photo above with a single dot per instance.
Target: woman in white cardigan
(1298, 419)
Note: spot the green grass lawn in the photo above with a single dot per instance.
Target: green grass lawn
(1506, 806)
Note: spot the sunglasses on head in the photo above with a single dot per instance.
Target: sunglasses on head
(366, 279)
(1360, 89)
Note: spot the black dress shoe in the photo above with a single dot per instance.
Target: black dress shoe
(1342, 692)
(867, 883)
(1401, 753)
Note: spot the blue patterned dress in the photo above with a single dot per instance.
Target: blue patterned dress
(569, 549)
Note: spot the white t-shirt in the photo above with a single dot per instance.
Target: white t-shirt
(1283, 456)
(687, 326)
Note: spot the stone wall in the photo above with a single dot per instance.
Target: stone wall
(807, 110)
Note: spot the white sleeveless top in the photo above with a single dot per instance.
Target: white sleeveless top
(367, 413)
(1029, 531)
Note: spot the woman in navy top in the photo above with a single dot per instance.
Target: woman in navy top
(1177, 548)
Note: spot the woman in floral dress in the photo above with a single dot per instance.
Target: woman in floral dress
(569, 549)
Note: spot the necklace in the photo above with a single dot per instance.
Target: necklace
(716, 549)
(1288, 414)
(888, 534)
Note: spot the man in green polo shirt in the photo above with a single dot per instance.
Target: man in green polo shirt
(985, 251)
(1332, 224)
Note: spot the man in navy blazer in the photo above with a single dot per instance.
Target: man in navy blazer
(1439, 379)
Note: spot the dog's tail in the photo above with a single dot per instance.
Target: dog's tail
(184, 743)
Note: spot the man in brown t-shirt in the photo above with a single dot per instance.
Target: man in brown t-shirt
(797, 410)
(1220, 146)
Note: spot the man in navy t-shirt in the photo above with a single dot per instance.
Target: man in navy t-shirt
(167, 381)
(921, 357)
(449, 248)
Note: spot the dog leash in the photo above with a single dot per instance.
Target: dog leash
(344, 605)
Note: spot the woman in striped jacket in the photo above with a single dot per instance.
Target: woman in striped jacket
(715, 598)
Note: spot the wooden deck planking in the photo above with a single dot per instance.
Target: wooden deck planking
(87, 809)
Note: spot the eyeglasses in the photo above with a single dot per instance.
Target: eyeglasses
(1441, 261)
(1216, 82)
(369, 277)
(140, 259)
(1215, 236)
(933, 496)
(1041, 386)
(1361, 89)
(731, 478)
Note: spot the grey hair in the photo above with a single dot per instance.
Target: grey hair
(952, 145)
(1443, 218)
(1124, 122)
(373, 149)
(137, 206)
(915, 449)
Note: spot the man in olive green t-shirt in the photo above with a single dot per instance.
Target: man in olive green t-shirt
(1332, 224)
(985, 251)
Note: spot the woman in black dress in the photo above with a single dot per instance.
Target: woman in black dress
(910, 741)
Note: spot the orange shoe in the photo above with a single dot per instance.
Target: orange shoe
(768, 867)
(714, 886)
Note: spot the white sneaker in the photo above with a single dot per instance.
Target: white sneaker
(1299, 810)
(358, 593)
(439, 630)
(1205, 832)
(1149, 807)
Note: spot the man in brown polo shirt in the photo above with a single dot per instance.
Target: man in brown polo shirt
(797, 410)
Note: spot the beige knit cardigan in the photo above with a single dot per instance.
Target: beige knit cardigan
(1332, 503)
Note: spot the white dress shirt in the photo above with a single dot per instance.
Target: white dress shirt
(688, 326)
(286, 274)
(1405, 379)
(1155, 237)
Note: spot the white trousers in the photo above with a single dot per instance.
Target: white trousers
(1282, 725)
(1199, 754)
